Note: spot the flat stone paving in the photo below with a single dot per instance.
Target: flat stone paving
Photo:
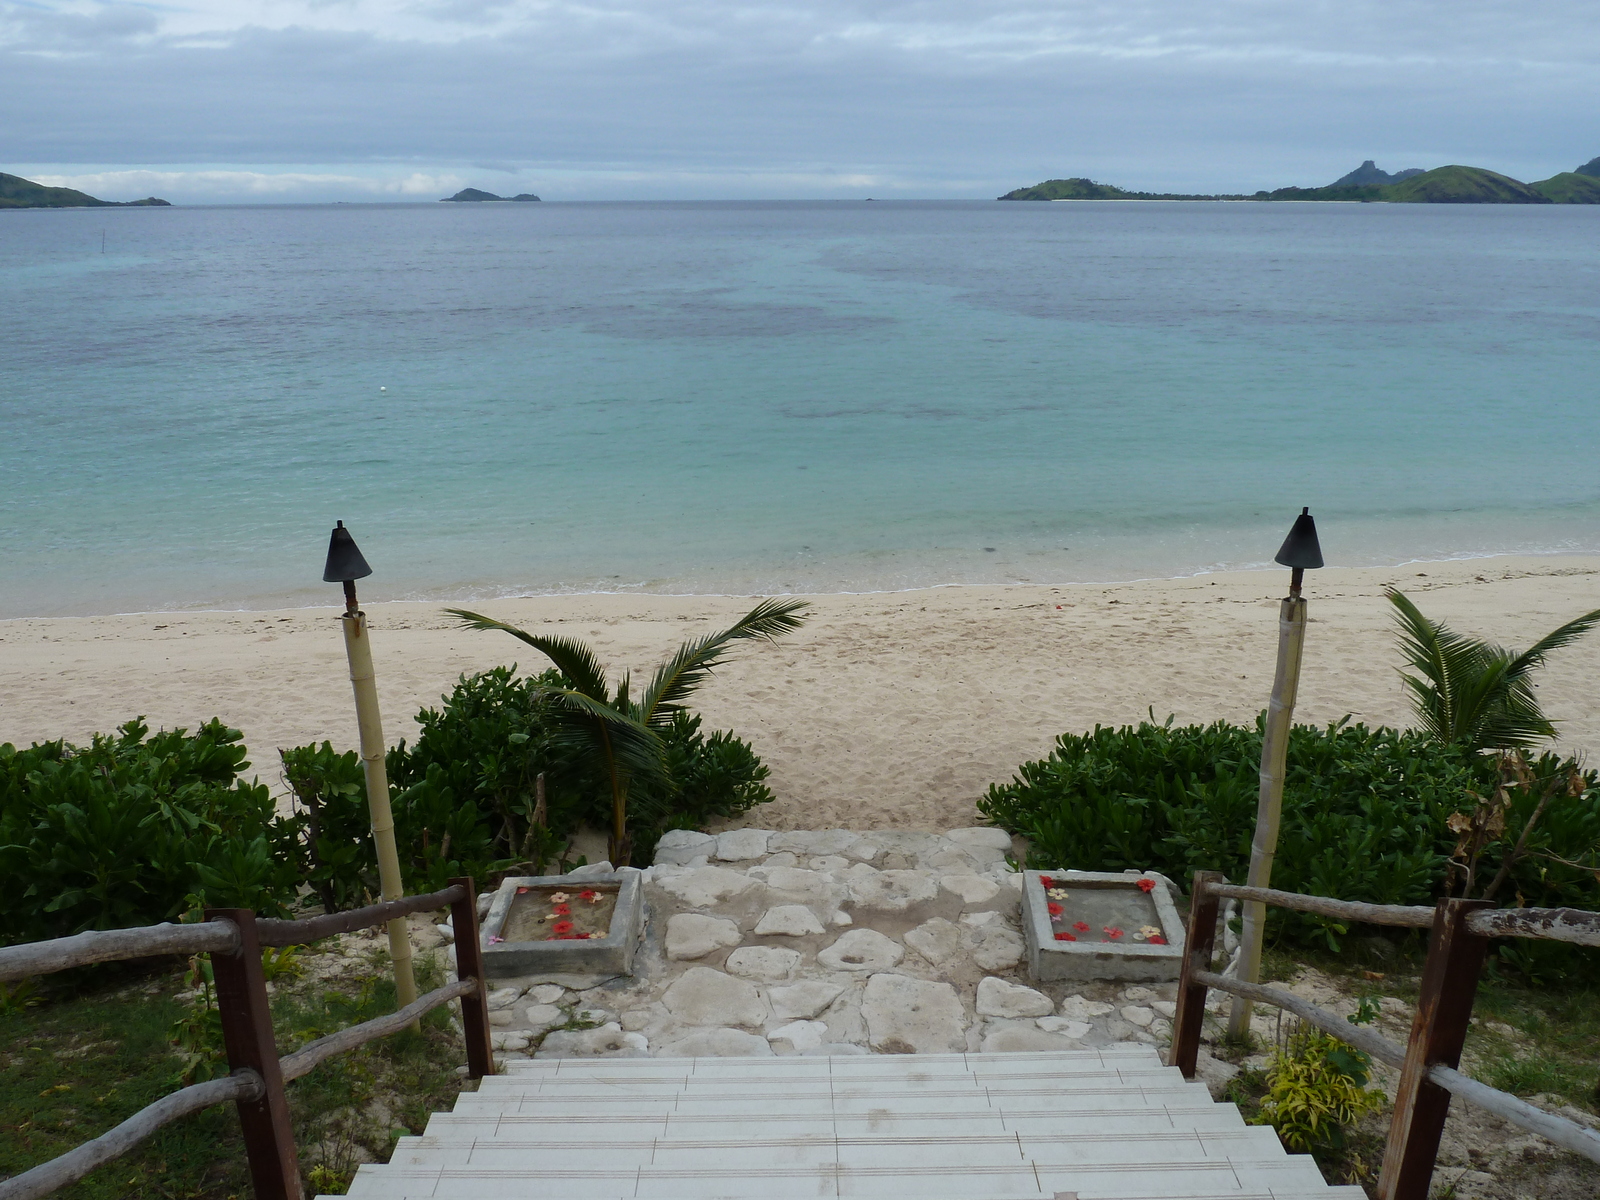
(827, 942)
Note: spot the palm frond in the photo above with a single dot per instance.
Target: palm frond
(1474, 692)
(1441, 657)
(622, 740)
(1534, 655)
(572, 658)
(694, 661)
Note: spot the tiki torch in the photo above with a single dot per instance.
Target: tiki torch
(346, 565)
(1300, 553)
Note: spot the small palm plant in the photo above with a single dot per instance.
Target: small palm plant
(1474, 692)
(623, 733)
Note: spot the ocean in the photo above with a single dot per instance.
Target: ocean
(796, 397)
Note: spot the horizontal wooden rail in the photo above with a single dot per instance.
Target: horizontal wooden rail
(1553, 924)
(256, 1084)
(1370, 1040)
(314, 1054)
(148, 941)
(1567, 1134)
(1345, 910)
(112, 945)
(272, 932)
(117, 1141)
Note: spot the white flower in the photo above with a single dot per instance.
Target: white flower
(1057, 893)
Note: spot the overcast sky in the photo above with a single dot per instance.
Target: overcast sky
(229, 100)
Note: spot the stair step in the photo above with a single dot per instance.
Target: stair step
(1106, 1125)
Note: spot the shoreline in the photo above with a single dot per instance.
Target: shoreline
(887, 710)
(513, 596)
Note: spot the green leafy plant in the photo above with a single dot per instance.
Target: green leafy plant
(495, 784)
(331, 788)
(1316, 1089)
(1473, 692)
(1366, 813)
(196, 1035)
(119, 832)
(622, 735)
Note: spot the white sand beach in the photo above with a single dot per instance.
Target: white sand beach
(891, 710)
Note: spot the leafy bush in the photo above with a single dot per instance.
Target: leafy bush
(1316, 1089)
(1366, 812)
(131, 828)
(465, 795)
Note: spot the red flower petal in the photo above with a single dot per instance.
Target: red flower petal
(1055, 909)
(561, 927)
(1046, 882)
(1147, 885)
(1111, 931)
(1065, 937)
(1081, 926)
(562, 910)
(1157, 940)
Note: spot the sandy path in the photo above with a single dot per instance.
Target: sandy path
(886, 710)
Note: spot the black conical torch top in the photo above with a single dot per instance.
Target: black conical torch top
(345, 564)
(1300, 551)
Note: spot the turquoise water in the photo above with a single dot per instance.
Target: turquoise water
(807, 397)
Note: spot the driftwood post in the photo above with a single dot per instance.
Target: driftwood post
(469, 965)
(1444, 1010)
(1197, 948)
(247, 1036)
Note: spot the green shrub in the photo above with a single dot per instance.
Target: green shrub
(1365, 812)
(1316, 1089)
(465, 794)
(126, 830)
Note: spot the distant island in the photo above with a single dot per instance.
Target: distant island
(17, 192)
(1368, 184)
(474, 196)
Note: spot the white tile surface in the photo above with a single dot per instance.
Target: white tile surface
(1109, 1124)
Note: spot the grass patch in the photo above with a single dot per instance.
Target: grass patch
(96, 1049)
(77, 1064)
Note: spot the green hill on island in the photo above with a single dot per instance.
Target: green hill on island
(475, 196)
(1088, 189)
(1442, 185)
(1569, 187)
(1463, 185)
(17, 192)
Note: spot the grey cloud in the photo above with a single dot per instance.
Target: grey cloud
(42, 29)
(936, 95)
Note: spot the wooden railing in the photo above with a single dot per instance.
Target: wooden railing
(1457, 947)
(234, 938)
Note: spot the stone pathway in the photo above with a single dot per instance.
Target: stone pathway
(827, 942)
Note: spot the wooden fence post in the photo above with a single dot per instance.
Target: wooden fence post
(1444, 1009)
(1197, 947)
(469, 965)
(247, 1036)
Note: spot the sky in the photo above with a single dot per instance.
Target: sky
(233, 101)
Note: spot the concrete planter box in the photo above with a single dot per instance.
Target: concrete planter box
(1100, 899)
(611, 954)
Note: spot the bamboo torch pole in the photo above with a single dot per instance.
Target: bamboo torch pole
(345, 563)
(1269, 808)
(1300, 552)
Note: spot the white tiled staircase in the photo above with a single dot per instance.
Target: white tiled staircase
(1111, 1124)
